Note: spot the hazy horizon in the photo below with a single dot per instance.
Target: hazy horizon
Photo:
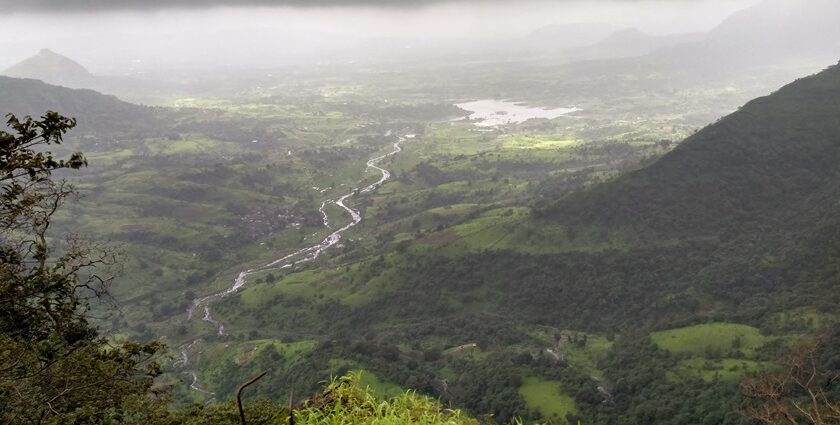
(146, 39)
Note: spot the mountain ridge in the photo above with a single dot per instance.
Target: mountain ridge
(95, 112)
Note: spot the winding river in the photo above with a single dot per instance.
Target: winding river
(204, 304)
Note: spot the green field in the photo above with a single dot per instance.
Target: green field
(702, 340)
(548, 398)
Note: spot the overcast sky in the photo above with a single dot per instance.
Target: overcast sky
(89, 29)
(95, 5)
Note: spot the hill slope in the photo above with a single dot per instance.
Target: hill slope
(769, 161)
(791, 26)
(751, 200)
(95, 112)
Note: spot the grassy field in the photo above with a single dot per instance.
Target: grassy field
(702, 340)
(379, 387)
(547, 397)
(716, 351)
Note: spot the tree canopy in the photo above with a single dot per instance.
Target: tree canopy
(55, 367)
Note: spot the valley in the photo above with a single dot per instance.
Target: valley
(326, 261)
(455, 188)
(300, 256)
(586, 223)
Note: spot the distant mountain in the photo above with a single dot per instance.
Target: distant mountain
(772, 32)
(567, 36)
(785, 23)
(753, 51)
(95, 112)
(579, 42)
(780, 29)
(630, 42)
(53, 68)
(50, 67)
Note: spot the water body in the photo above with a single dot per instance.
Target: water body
(497, 113)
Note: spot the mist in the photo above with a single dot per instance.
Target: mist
(125, 41)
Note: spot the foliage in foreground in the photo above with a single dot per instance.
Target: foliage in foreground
(343, 402)
(54, 365)
(804, 390)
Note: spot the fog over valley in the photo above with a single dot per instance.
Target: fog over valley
(145, 38)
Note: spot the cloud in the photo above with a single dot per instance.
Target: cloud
(105, 5)
(96, 5)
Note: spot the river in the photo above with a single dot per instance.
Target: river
(303, 255)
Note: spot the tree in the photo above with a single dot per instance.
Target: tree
(799, 392)
(54, 365)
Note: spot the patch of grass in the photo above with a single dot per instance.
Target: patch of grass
(709, 338)
(547, 397)
(350, 402)
(530, 142)
(728, 370)
(292, 285)
(379, 387)
(490, 228)
(586, 356)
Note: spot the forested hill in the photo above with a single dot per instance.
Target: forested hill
(738, 226)
(95, 112)
(773, 162)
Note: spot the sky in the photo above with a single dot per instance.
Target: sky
(98, 5)
(111, 34)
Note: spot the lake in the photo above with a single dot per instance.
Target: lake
(495, 113)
